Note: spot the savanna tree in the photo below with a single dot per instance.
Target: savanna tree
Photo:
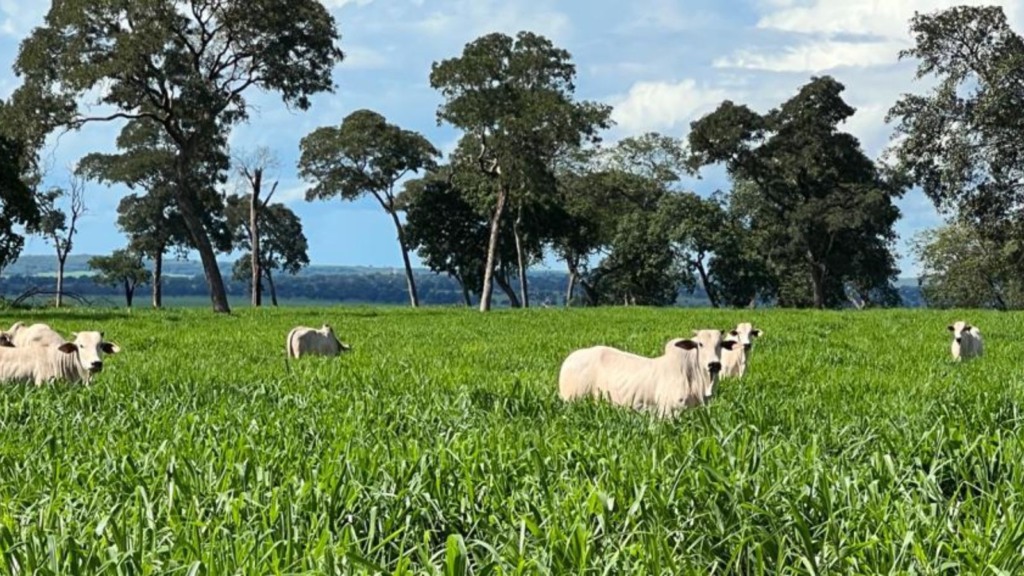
(123, 268)
(516, 95)
(184, 65)
(58, 225)
(252, 168)
(366, 155)
(282, 244)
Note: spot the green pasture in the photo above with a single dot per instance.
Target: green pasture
(439, 446)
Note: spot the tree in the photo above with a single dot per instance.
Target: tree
(812, 184)
(153, 222)
(366, 155)
(961, 140)
(697, 229)
(445, 230)
(962, 269)
(251, 169)
(18, 206)
(282, 244)
(58, 226)
(641, 268)
(184, 65)
(516, 96)
(123, 267)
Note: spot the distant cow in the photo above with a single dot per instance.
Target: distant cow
(306, 341)
(967, 341)
(75, 361)
(734, 360)
(684, 375)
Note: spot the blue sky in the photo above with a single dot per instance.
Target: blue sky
(660, 63)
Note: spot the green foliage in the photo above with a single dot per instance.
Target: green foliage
(960, 140)
(823, 200)
(963, 269)
(18, 206)
(123, 267)
(283, 245)
(833, 455)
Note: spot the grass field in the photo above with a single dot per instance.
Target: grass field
(853, 446)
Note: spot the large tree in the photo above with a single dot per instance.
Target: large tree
(961, 139)
(18, 206)
(282, 244)
(58, 225)
(152, 220)
(185, 65)
(252, 168)
(516, 95)
(812, 184)
(366, 155)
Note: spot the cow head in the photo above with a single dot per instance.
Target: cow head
(744, 333)
(958, 329)
(89, 348)
(708, 345)
(326, 330)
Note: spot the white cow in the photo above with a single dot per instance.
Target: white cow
(35, 335)
(7, 336)
(306, 341)
(684, 375)
(75, 361)
(734, 360)
(967, 341)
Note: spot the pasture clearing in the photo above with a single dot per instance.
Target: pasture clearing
(439, 445)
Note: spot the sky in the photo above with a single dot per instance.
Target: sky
(660, 63)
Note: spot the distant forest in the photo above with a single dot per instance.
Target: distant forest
(327, 284)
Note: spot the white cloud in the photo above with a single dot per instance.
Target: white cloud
(469, 19)
(661, 105)
(815, 56)
(339, 4)
(879, 18)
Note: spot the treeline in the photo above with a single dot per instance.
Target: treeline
(364, 288)
(807, 219)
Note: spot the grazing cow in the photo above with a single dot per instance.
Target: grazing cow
(306, 341)
(734, 360)
(967, 342)
(684, 375)
(34, 335)
(75, 361)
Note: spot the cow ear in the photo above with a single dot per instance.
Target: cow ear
(755, 332)
(729, 344)
(110, 348)
(967, 327)
(67, 347)
(950, 327)
(686, 344)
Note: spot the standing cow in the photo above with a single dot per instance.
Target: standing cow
(967, 342)
(684, 375)
(734, 360)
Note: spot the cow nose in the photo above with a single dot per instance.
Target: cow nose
(958, 339)
(748, 346)
(714, 367)
(97, 366)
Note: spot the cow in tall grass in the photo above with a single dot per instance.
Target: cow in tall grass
(306, 341)
(967, 342)
(684, 375)
(75, 361)
(734, 360)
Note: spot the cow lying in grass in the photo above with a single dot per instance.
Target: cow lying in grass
(75, 361)
(967, 342)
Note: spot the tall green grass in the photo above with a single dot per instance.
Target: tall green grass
(439, 446)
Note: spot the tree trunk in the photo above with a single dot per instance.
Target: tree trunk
(129, 293)
(410, 281)
(492, 250)
(502, 281)
(254, 239)
(465, 294)
(521, 266)
(158, 274)
(270, 284)
(712, 297)
(571, 288)
(60, 281)
(818, 284)
(202, 244)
